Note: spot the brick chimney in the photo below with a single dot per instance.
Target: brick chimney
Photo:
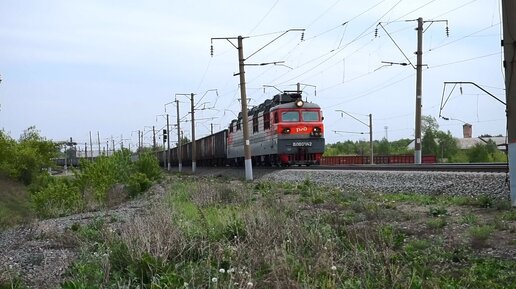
(467, 130)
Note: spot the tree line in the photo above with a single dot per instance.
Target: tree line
(434, 142)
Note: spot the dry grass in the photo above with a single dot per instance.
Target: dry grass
(213, 234)
(154, 234)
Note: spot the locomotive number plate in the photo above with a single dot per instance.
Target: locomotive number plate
(302, 144)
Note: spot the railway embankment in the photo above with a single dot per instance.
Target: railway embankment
(493, 185)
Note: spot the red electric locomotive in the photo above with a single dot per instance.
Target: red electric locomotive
(285, 131)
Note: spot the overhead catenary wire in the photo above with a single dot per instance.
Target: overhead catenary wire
(348, 56)
(335, 52)
(461, 38)
(263, 18)
(329, 53)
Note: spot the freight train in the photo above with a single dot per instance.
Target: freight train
(283, 131)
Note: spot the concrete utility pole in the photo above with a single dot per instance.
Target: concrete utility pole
(168, 145)
(153, 138)
(509, 43)
(91, 148)
(243, 96)
(192, 111)
(139, 141)
(194, 148)
(419, 82)
(245, 121)
(371, 138)
(164, 153)
(98, 141)
(179, 144)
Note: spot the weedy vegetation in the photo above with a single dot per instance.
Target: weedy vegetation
(28, 190)
(220, 233)
(101, 183)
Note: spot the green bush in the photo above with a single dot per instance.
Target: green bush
(24, 160)
(59, 197)
(103, 174)
(97, 177)
(148, 164)
(138, 182)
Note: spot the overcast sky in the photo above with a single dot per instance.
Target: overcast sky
(71, 67)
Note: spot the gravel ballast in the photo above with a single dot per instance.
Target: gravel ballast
(493, 185)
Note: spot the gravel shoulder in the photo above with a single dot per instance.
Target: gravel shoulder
(40, 253)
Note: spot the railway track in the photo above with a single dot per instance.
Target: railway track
(479, 167)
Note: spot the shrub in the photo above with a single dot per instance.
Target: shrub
(25, 159)
(98, 176)
(138, 182)
(148, 164)
(101, 176)
(59, 197)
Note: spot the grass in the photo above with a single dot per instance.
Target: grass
(469, 219)
(422, 199)
(218, 233)
(15, 205)
(479, 235)
(436, 223)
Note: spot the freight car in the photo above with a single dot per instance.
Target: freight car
(364, 160)
(283, 131)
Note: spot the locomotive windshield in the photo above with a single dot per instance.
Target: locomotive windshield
(310, 115)
(290, 116)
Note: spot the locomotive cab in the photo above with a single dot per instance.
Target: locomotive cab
(299, 132)
(284, 130)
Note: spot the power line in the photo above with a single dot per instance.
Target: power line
(335, 52)
(451, 42)
(464, 60)
(427, 3)
(322, 14)
(399, 48)
(390, 83)
(456, 8)
(263, 18)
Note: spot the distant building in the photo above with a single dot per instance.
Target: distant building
(467, 141)
(467, 130)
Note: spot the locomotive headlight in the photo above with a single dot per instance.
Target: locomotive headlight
(299, 103)
(316, 131)
(286, 130)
